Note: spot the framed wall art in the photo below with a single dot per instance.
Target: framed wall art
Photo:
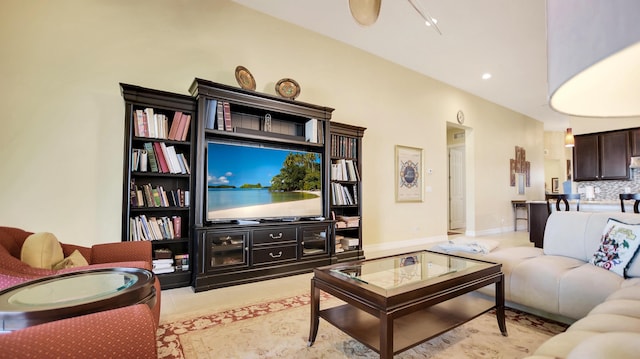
(408, 174)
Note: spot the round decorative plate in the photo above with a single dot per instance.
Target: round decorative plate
(245, 78)
(288, 88)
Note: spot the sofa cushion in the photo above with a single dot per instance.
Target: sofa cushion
(608, 345)
(619, 244)
(604, 323)
(564, 234)
(561, 345)
(628, 307)
(582, 288)
(41, 250)
(536, 282)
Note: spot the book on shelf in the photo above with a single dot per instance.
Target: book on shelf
(153, 164)
(311, 130)
(210, 114)
(140, 125)
(182, 262)
(170, 269)
(177, 116)
(182, 122)
(177, 226)
(184, 161)
(174, 166)
(227, 116)
(161, 158)
(187, 124)
(220, 116)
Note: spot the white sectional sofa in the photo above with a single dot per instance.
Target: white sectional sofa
(558, 282)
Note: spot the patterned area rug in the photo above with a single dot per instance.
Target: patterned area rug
(280, 329)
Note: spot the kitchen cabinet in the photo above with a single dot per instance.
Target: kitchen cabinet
(602, 156)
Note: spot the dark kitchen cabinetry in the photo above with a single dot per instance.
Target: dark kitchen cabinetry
(602, 156)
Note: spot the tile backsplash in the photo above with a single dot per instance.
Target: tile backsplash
(609, 190)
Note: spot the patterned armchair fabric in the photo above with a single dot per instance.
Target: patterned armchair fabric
(127, 332)
(119, 254)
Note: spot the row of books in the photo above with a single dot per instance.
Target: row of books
(343, 146)
(344, 170)
(158, 157)
(147, 196)
(169, 265)
(218, 115)
(344, 195)
(142, 228)
(146, 123)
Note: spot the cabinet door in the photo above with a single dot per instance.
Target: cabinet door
(614, 155)
(226, 249)
(314, 240)
(585, 158)
(635, 142)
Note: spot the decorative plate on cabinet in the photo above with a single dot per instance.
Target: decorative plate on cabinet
(288, 88)
(245, 78)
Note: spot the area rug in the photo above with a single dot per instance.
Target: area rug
(280, 329)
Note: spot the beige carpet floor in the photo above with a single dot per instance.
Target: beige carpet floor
(280, 329)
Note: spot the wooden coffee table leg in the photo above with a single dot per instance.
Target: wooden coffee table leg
(315, 310)
(386, 336)
(500, 306)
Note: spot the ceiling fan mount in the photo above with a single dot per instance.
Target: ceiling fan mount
(366, 12)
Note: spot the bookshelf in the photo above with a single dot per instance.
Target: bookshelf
(345, 195)
(157, 183)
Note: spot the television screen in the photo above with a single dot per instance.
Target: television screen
(254, 181)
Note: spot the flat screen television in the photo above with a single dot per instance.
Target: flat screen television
(253, 181)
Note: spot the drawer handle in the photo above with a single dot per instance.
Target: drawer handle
(275, 237)
(275, 255)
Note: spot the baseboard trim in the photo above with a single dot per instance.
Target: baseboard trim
(398, 247)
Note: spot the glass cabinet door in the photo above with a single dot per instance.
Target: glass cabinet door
(226, 249)
(314, 240)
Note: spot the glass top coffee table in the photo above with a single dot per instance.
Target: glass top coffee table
(397, 302)
(72, 294)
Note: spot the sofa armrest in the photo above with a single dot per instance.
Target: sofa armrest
(126, 332)
(121, 252)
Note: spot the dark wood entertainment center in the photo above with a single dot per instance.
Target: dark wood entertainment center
(230, 252)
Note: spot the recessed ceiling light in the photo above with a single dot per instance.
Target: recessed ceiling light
(486, 76)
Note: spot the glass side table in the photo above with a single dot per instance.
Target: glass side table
(72, 294)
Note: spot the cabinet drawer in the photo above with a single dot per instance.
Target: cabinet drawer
(274, 235)
(275, 254)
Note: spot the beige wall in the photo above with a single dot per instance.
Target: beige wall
(62, 124)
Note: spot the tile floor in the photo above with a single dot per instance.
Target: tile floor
(181, 303)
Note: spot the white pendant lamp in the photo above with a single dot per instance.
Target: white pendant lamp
(593, 49)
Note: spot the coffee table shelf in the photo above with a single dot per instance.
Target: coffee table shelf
(411, 330)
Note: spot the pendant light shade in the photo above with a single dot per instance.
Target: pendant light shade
(593, 49)
(365, 12)
(569, 141)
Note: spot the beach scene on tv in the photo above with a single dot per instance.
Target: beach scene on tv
(250, 182)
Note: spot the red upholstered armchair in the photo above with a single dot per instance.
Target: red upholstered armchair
(119, 254)
(127, 332)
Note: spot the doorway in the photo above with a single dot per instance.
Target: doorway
(457, 181)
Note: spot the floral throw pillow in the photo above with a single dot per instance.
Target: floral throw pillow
(619, 244)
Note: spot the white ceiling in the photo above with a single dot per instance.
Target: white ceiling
(506, 38)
